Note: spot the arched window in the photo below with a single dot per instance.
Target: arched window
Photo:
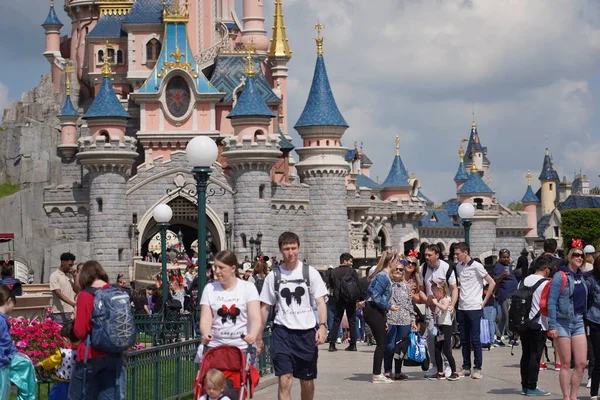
(257, 134)
(111, 56)
(100, 56)
(106, 136)
(99, 202)
(243, 237)
(261, 191)
(327, 142)
(120, 58)
(152, 50)
(318, 143)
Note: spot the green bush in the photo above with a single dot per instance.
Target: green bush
(581, 223)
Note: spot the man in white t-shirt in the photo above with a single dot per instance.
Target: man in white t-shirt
(535, 338)
(471, 275)
(296, 332)
(436, 270)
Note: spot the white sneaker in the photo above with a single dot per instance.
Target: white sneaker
(381, 379)
(589, 384)
(447, 370)
(339, 341)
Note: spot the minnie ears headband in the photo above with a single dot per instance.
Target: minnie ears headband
(413, 253)
(576, 243)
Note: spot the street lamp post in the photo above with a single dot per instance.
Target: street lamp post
(377, 242)
(162, 215)
(466, 211)
(201, 152)
(258, 242)
(365, 241)
(252, 243)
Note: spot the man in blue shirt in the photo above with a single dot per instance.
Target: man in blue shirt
(506, 284)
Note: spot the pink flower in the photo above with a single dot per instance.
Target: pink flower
(22, 343)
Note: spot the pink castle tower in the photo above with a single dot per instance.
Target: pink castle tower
(279, 56)
(52, 28)
(68, 122)
(254, 33)
(530, 204)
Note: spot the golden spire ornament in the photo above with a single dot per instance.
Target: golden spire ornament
(528, 177)
(280, 46)
(250, 71)
(461, 151)
(68, 71)
(473, 166)
(106, 70)
(319, 39)
(397, 145)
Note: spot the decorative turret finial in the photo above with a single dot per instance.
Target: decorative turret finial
(397, 145)
(106, 70)
(51, 3)
(528, 177)
(355, 145)
(250, 71)
(361, 146)
(280, 46)
(461, 151)
(68, 71)
(412, 175)
(473, 166)
(319, 39)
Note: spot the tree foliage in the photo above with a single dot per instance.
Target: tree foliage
(595, 190)
(581, 223)
(515, 206)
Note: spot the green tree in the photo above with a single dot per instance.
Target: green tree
(515, 205)
(581, 223)
(595, 190)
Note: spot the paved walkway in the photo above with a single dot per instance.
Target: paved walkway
(344, 375)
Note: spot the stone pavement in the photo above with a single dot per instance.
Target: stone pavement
(344, 375)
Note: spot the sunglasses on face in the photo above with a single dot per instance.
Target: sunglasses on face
(578, 255)
(414, 264)
(400, 269)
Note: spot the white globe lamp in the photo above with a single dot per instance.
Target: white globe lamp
(162, 213)
(201, 151)
(466, 211)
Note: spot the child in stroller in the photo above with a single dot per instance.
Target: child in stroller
(215, 384)
(240, 377)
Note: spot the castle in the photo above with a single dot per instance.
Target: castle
(101, 142)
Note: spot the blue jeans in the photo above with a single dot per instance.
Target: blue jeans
(470, 330)
(489, 313)
(104, 379)
(360, 327)
(394, 334)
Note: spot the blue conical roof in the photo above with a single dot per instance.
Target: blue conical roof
(475, 185)
(320, 108)
(68, 110)
(106, 104)
(529, 196)
(284, 143)
(548, 173)
(461, 174)
(250, 103)
(397, 177)
(52, 19)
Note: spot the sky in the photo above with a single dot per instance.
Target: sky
(419, 69)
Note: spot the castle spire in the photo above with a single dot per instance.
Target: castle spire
(106, 70)
(529, 196)
(52, 22)
(319, 39)
(461, 173)
(280, 46)
(398, 176)
(250, 71)
(250, 103)
(397, 146)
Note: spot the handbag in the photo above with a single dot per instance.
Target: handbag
(484, 336)
(417, 349)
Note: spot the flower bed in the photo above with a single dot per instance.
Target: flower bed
(38, 340)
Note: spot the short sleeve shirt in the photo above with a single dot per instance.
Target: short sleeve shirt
(230, 312)
(471, 276)
(508, 286)
(437, 274)
(294, 307)
(537, 296)
(63, 282)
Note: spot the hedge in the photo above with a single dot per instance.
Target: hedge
(581, 223)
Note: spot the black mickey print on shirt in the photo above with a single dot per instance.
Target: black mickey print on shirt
(228, 313)
(287, 294)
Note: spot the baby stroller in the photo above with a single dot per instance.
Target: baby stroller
(242, 377)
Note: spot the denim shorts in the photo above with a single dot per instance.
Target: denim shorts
(570, 328)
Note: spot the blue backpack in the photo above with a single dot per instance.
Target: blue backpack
(113, 326)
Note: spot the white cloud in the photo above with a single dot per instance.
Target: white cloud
(418, 68)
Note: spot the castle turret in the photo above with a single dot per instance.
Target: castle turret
(323, 168)
(477, 155)
(68, 122)
(279, 57)
(108, 154)
(461, 174)
(549, 180)
(530, 203)
(254, 33)
(52, 27)
(396, 187)
(475, 190)
(564, 189)
(251, 153)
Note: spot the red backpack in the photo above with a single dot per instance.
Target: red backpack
(546, 292)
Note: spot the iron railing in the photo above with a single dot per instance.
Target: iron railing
(153, 330)
(167, 371)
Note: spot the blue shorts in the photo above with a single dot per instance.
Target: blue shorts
(294, 352)
(59, 391)
(570, 328)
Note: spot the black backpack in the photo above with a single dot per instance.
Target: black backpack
(348, 290)
(451, 270)
(520, 306)
(258, 282)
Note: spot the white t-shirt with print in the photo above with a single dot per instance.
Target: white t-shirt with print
(295, 309)
(471, 279)
(537, 296)
(437, 274)
(230, 312)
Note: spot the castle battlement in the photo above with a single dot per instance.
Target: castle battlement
(99, 155)
(262, 152)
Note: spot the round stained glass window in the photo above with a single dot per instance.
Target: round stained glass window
(178, 97)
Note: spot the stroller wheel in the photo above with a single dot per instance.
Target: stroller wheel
(456, 341)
